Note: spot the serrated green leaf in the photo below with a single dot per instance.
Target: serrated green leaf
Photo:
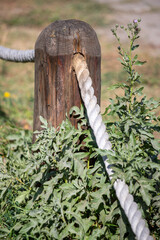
(113, 211)
(68, 190)
(117, 85)
(82, 205)
(37, 178)
(78, 167)
(81, 155)
(146, 133)
(49, 191)
(139, 63)
(155, 144)
(79, 220)
(106, 110)
(132, 139)
(4, 230)
(18, 226)
(122, 227)
(22, 196)
(134, 47)
(103, 216)
(139, 91)
(135, 57)
(127, 126)
(146, 196)
(44, 122)
(13, 137)
(64, 233)
(76, 109)
(53, 232)
(87, 223)
(31, 224)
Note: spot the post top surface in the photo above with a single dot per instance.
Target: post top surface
(67, 37)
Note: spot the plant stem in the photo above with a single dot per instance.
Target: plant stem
(131, 75)
(88, 163)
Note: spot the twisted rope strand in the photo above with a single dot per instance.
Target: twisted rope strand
(93, 111)
(17, 55)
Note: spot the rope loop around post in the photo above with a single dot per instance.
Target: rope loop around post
(126, 200)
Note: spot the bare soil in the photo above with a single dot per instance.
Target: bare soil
(124, 11)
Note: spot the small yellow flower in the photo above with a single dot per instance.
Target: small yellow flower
(7, 95)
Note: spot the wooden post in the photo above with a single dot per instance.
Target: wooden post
(56, 87)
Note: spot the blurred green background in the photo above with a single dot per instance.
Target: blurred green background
(22, 21)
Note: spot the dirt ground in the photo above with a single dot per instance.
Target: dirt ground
(147, 10)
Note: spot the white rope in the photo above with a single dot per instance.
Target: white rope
(16, 55)
(93, 111)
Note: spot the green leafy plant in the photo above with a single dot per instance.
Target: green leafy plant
(57, 188)
(135, 156)
(54, 189)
